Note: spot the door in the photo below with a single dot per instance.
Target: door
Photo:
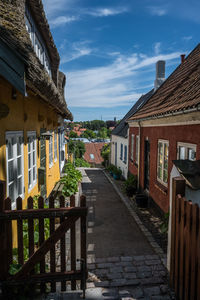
(146, 164)
(15, 165)
(43, 189)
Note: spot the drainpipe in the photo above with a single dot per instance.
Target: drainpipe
(138, 182)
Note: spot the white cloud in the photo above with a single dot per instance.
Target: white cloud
(157, 48)
(187, 38)
(157, 10)
(62, 20)
(75, 50)
(105, 12)
(117, 84)
(53, 7)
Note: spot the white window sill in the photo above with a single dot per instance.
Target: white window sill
(162, 182)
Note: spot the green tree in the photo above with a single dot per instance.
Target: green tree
(73, 134)
(103, 133)
(88, 134)
(76, 147)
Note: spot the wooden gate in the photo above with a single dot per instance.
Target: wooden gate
(40, 266)
(185, 245)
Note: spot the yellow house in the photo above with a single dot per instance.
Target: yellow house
(32, 104)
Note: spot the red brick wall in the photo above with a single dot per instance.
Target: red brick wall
(174, 134)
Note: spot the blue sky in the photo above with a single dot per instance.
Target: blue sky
(109, 48)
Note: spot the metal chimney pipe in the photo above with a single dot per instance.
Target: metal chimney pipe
(160, 74)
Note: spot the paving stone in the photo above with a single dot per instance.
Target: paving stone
(101, 271)
(114, 275)
(116, 269)
(152, 262)
(126, 258)
(158, 268)
(91, 266)
(152, 280)
(95, 293)
(164, 289)
(139, 257)
(118, 282)
(138, 263)
(136, 293)
(124, 293)
(132, 282)
(100, 260)
(144, 269)
(105, 265)
(110, 292)
(90, 285)
(102, 284)
(113, 259)
(152, 257)
(130, 269)
(129, 275)
(151, 291)
(160, 297)
(142, 275)
(123, 264)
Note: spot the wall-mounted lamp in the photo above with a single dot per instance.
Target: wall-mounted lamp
(47, 135)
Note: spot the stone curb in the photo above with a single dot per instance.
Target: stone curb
(144, 230)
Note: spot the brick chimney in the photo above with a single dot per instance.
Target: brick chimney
(182, 58)
(160, 74)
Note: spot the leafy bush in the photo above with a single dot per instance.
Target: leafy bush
(130, 185)
(70, 180)
(80, 162)
(117, 171)
(105, 153)
(164, 225)
(76, 147)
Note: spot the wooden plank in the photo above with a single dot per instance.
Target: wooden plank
(73, 244)
(53, 250)
(63, 247)
(182, 250)
(20, 244)
(8, 237)
(30, 229)
(41, 241)
(45, 247)
(177, 246)
(48, 277)
(194, 254)
(198, 262)
(83, 243)
(43, 213)
(178, 187)
(187, 238)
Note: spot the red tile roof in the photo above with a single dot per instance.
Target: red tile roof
(180, 91)
(95, 149)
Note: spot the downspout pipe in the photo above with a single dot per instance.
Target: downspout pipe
(139, 146)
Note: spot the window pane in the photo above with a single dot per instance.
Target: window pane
(19, 166)
(19, 186)
(34, 177)
(29, 177)
(159, 172)
(29, 144)
(19, 148)
(33, 158)
(11, 192)
(11, 170)
(33, 144)
(10, 149)
(182, 152)
(165, 176)
(29, 160)
(191, 154)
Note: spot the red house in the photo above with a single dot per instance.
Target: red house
(166, 128)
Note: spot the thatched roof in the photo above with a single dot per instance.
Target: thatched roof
(14, 33)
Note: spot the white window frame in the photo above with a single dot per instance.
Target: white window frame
(137, 147)
(37, 41)
(55, 146)
(187, 146)
(132, 146)
(31, 136)
(50, 151)
(161, 180)
(15, 135)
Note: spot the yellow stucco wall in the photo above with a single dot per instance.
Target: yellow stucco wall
(24, 116)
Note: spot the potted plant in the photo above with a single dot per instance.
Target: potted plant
(130, 185)
(117, 172)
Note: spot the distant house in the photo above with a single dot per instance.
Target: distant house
(167, 128)
(32, 104)
(93, 153)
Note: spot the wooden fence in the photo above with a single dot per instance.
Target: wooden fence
(185, 245)
(40, 266)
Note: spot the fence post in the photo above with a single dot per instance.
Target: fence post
(83, 243)
(73, 244)
(2, 232)
(178, 187)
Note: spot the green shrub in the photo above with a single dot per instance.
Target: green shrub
(80, 162)
(70, 180)
(130, 185)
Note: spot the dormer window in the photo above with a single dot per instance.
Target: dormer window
(37, 41)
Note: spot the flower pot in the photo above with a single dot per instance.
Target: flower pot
(116, 176)
(141, 200)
